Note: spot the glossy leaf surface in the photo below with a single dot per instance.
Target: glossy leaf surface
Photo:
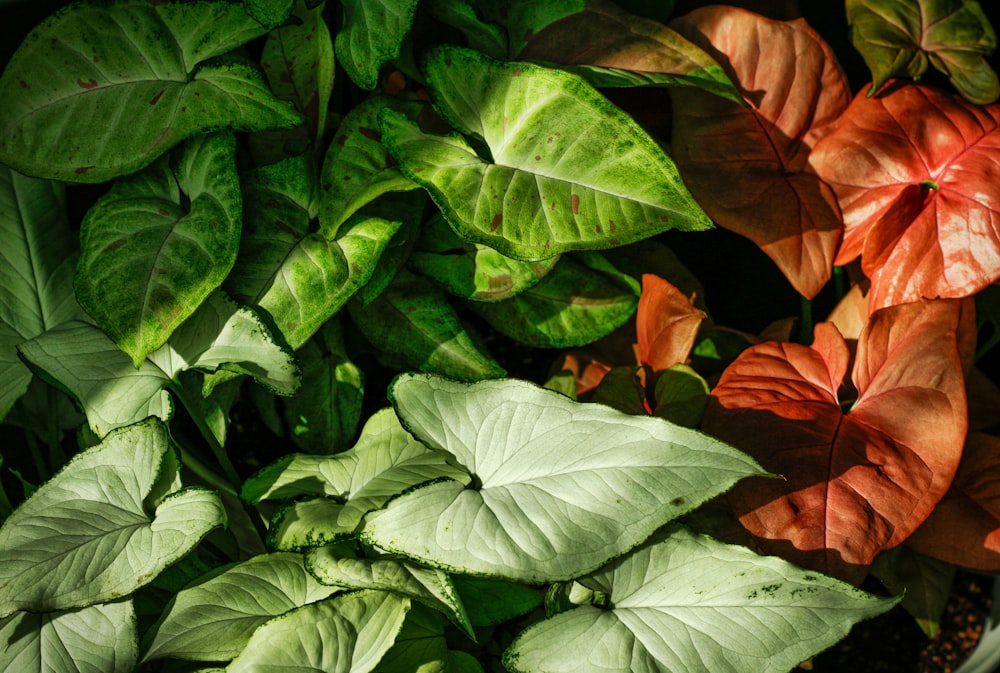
(76, 542)
(560, 159)
(900, 37)
(686, 602)
(559, 487)
(859, 481)
(746, 165)
(911, 169)
(160, 242)
(133, 79)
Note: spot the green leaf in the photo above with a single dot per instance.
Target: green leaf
(924, 582)
(899, 37)
(298, 276)
(357, 168)
(269, 13)
(562, 166)
(621, 389)
(100, 90)
(421, 647)
(431, 587)
(415, 327)
(581, 300)
(96, 638)
(712, 79)
(348, 633)
(484, 36)
(559, 487)
(681, 396)
(158, 257)
(372, 36)
(471, 270)
(91, 535)
(323, 416)
(213, 619)
(489, 602)
(307, 523)
(688, 602)
(36, 266)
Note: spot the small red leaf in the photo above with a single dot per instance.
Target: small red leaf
(666, 324)
(856, 482)
(746, 166)
(916, 172)
(964, 528)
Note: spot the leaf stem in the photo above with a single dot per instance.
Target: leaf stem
(806, 320)
(36, 455)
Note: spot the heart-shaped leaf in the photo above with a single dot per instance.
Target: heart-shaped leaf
(611, 47)
(666, 324)
(682, 596)
(746, 166)
(558, 487)
(899, 37)
(214, 619)
(78, 542)
(159, 257)
(348, 633)
(427, 585)
(97, 638)
(855, 482)
(560, 157)
(582, 299)
(99, 91)
(964, 528)
(372, 36)
(911, 169)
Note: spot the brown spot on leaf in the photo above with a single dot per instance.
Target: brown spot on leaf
(598, 230)
(517, 72)
(611, 226)
(574, 203)
(371, 134)
(114, 245)
(89, 84)
(156, 99)
(495, 222)
(24, 85)
(83, 169)
(538, 157)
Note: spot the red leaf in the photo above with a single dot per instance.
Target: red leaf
(965, 526)
(666, 324)
(917, 175)
(746, 166)
(855, 482)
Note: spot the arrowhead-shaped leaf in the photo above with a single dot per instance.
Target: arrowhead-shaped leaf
(99, 91)
(611, 47)
(348, 633)
(855, 482)
(372, 36)
(911, 169)
(96, 638)
(899, 37)
(214, 619)
(158, 257)
(666, 324)
(78, 542)
(747, 165)
(558, 488)
(686, 602)
(560, 175)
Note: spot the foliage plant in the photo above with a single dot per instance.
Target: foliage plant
(291, 200)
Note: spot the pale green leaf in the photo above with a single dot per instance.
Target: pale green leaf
(432, 587)
(160, 242)
(90, 535)
(348, 633)
(687, 602)
(372, 36)
(563, 161)
(559, 487)
(307, 523)
(97, 91)
(95, 639)
(213, 619)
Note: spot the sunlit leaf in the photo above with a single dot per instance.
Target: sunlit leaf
(666, 324)
(746, 165)
(899, 37)
(76, 541)
(558, 487)
(100, 90)
(859, 481)
(911, 169)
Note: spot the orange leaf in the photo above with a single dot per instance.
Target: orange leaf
(915, 172)
(666, 324)
(856, 482)
(746, 166)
